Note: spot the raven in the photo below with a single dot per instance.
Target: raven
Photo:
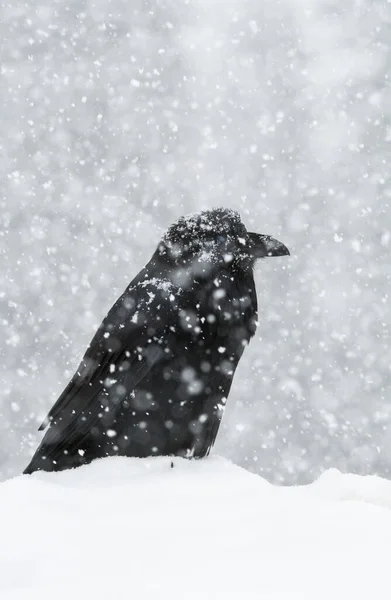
(155, 378)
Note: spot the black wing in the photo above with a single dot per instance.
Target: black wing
(126, 346)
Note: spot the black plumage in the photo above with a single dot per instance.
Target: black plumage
(155, 377)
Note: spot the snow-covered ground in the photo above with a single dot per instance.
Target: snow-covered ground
(138, 529)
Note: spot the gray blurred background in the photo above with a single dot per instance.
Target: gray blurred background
(119, 116)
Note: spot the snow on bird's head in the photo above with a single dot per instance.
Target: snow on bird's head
(199, 244)
(203, 232)
(204, 224)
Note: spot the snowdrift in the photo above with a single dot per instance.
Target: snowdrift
(138, 529)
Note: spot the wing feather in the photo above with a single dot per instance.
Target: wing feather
(124, 349)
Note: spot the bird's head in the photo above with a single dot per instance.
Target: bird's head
(215, 238)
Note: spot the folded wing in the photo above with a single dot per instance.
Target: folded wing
(125, 348)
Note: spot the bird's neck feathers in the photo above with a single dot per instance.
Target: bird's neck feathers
(199, 268)
(231, 285)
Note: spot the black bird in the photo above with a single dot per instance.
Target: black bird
(156, 376)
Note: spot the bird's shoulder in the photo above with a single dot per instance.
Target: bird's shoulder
(127, 336)
(148, 304)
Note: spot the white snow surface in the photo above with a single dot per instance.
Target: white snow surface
(136, 528)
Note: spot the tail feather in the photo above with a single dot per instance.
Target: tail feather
(56, 458)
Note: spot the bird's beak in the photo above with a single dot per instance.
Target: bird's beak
(262, 246)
